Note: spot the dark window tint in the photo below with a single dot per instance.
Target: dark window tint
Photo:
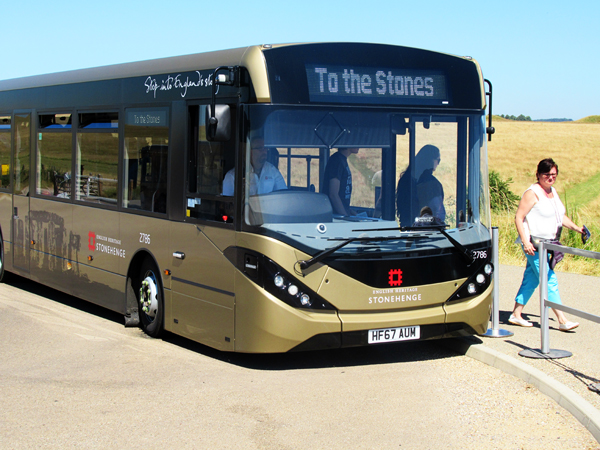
(145, 159)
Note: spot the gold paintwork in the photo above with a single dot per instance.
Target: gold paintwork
(206, 298)
(200, 320)
(105, 225)
(254, 61)
(284, 255)
(221, 238)
(355, 296)
(266, 324)
(482, 85)
(357, 321)
(476, 311)
(202, 304)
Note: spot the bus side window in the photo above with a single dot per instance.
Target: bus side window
(97, 161)
(54, 150)
(146, 159)
(208, 163)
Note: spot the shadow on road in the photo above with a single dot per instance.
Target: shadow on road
(60, 297)
(404, 352)
(583, 378)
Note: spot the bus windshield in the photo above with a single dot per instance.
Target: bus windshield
(316, 174)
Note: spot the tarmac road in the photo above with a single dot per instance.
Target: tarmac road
(71, 376)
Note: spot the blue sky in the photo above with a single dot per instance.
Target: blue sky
(543, 57)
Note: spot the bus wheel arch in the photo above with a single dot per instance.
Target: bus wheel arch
(145, 299)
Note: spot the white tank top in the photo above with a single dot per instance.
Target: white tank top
(546, 215)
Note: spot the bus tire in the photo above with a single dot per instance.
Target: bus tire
(150, 298)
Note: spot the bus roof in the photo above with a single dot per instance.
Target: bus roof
(265, 64)
(186, 63)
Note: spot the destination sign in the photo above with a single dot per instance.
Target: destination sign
(147, 117)
(374, 85)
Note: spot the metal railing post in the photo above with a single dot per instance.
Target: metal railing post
(545, 351)
(544, 310)
(495, 331)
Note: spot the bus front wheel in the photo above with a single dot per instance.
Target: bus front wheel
(149, 295)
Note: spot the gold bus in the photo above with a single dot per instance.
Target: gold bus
(201, 194)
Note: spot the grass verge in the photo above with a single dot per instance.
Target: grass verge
(511, 253)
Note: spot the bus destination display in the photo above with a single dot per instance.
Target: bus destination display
(374, 85)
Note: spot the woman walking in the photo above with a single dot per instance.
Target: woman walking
(540, 215)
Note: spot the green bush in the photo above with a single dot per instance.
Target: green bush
(501, 197)
(511, 253)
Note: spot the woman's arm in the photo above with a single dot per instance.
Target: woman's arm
(566, 222)
(527, 201)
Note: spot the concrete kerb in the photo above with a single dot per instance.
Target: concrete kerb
(583, 411)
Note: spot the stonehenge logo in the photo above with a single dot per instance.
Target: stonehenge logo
(92, 241)
(395, 277)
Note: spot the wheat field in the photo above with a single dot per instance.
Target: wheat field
(514, 152)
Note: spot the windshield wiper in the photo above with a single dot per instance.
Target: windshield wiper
(467, 254)
(305, 264)
(464, 251)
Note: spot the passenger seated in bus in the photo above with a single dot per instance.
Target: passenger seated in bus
(337, 182)
(265, 177)
(423, 188)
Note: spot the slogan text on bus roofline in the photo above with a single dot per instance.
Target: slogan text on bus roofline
(176, 82)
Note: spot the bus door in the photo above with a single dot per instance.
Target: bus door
(202, 282)
(430, 169)
(22, 164)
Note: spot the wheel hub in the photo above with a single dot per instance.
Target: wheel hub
(149, 297)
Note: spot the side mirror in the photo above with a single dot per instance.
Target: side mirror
(218, 125)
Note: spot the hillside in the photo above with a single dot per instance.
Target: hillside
(514, 152)
(589, 119)
(517, 147)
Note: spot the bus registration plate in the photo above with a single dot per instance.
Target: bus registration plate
(394, 334)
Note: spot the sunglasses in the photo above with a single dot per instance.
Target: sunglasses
(549, 175)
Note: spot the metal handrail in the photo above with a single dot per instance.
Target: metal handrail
(545, 304)
(496, 331)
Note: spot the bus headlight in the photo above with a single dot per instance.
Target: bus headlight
(293, 289)
(279, 281)
(289, 289)
(479, 281)
(305, 300)
(272, 278)
(488, 269)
